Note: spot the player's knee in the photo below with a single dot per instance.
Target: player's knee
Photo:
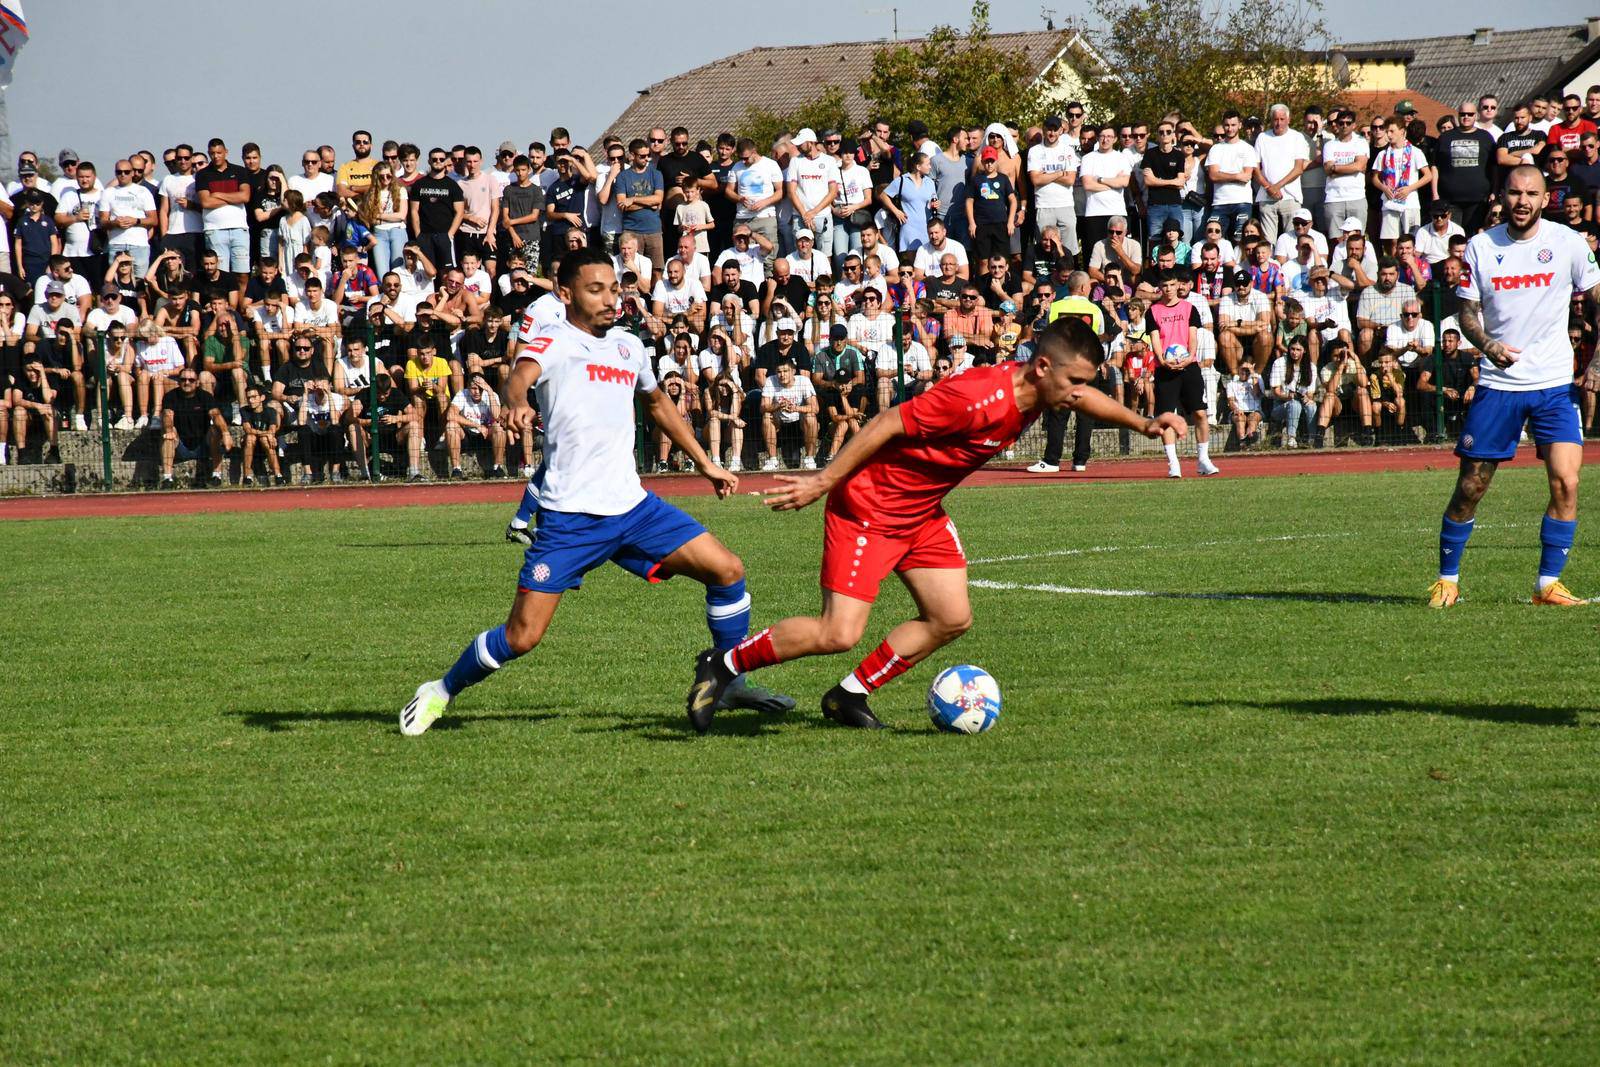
(839, 635)
(1564, 488)
(948, 629)
(729, 571)
(522, 636)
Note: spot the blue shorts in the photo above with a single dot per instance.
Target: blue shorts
(1496, 416)
(567, 545)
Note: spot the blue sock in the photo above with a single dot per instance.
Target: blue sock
(1555, 541)
(484, 655)
(727, 614)
(1452, 543)
(526, 509)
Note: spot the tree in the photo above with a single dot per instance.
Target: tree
(1201, 59)
(950, 78)
(824, 112)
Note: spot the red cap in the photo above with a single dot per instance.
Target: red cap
(989, 152)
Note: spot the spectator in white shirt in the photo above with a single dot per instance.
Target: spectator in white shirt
(1433, 240)
(1283, 156)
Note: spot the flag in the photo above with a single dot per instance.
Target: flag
(13, 35)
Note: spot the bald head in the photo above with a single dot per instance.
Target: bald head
(1078, 283)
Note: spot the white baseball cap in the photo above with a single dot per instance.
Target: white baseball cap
(807, 134)
(1351, 226)
(786, 323)
(802, 232)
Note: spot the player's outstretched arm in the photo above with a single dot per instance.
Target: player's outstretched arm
(664, 410)
(1098, 406)
(798, 490)
(517, 416)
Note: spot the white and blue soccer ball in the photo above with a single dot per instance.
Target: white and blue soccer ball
(964, 700)
(1175, 353)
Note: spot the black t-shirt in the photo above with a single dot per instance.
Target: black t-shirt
(673, 166)
(391, 401)
(722, 209)
(436, 203)
(795, 291)
(257, 290)
(1516, 143)
(515, 301)
(939, 289)
(989, 196)
(206, 288)
(191, 414)
(265, 419)
(229, 179)
(477, 342)
(1166, 166)
(746, 293)
(1465, 159)
(768, 356)
(1560, 192)
(992, 299)
(565, 195)
(258, 195)
(294, 377)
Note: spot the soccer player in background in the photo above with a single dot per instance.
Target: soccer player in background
(1516, 295)
(885, 514)
(591, 505)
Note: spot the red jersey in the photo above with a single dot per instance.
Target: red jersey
(950, 431)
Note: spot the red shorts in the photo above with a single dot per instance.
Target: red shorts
(855, 560)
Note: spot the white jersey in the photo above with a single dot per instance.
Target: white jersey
(480, 411)
(356, 377)
(543, 313)
(875, 336)
(585, 389)
(1526, 290)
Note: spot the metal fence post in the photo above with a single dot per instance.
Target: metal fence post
(105, 410)
(374, 462)
(900, 357)
(1438, 362)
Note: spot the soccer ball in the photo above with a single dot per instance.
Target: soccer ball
(1175, 354)
(964, 700)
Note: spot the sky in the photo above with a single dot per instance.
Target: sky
(296, 73)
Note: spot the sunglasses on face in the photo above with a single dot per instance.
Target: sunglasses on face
(302, 348)
(658, 140)
(188, 381)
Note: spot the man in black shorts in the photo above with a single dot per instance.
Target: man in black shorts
(192, 428)
(1180, 386)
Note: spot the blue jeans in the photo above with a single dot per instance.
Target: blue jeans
(1233, 218)
(1157, 217)
(846, 239)
(1191, 224)
(391, 245)
(1294, 415)
(140, 254)
(232, 248)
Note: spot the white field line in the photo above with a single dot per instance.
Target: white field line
(1091, 550)
(1072, 590)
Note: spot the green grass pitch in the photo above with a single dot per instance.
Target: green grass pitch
(1320, 824)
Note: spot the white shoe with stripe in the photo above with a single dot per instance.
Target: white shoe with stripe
(425, 708)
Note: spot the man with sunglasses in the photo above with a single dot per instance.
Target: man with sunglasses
(127, 215)
(679, 160)
(1466, 158)
(1568, 133)
(192, 427)
(437, 208)
(1344, 162)
(355, 176)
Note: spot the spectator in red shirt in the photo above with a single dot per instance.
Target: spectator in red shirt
(1568, 133)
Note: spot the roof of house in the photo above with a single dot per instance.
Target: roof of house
(715, 97)
(1370, 102)
(1511, 64)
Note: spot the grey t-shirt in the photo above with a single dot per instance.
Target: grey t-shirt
(517, 202)
(950, 181)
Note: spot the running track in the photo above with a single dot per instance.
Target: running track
(93, 505)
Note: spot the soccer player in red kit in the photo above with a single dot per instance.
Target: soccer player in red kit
(885, 515)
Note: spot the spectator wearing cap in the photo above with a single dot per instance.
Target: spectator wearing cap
(839, 372)
(1287, 244)
(1053, 172)
(958, 351)
(1352, 261)
(852, 208)
(747, 251)
(991, 207)
(36, 238)
(1283, 155)
(1326, 310)
(1244, 324)
(811, 184)
(806, 262)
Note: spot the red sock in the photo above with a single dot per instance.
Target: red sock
(753, 652)
(881, 666)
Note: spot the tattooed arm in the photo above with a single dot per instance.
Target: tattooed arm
(1471, 320)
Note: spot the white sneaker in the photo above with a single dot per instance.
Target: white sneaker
(808, 463)
(1009, 453)
(771, 464)
(1042, 467)
(78, 423)
(141, 422)
(1207, 468)
(424, 709)
(734, 466)
(1080, 467)
(123, 423)
(525, 471)
(1174, 472)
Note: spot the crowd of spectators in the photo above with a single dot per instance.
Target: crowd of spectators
(789, 291)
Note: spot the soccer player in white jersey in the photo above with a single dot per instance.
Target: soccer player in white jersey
(591, 505)
(1516, 295)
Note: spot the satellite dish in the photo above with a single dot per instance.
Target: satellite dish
(1340, 67)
